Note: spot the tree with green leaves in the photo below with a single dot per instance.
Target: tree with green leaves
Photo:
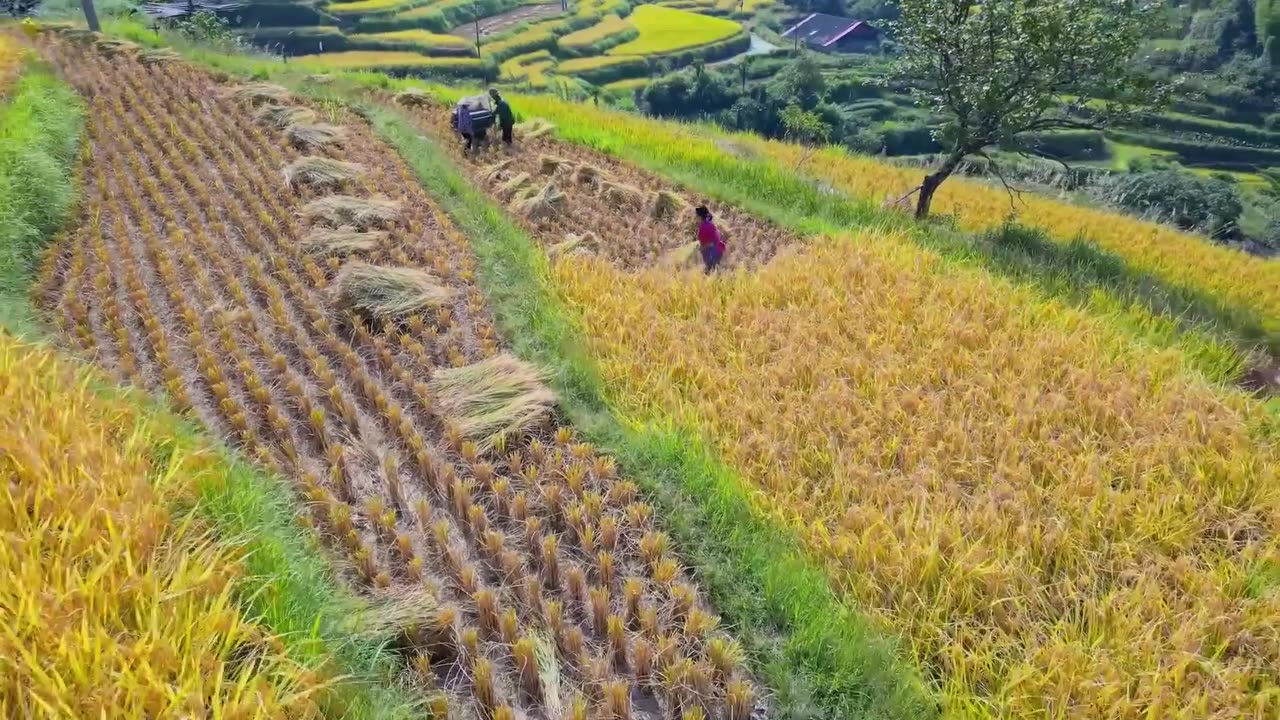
(805, 127)
(1267, 26)
(996, 70)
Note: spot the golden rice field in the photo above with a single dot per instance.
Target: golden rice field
(596, 62)
(289, 284)
(1058, 524)
(1236, 277)
(611, 26)
(385, 59)
(358, 7)
(113, 607)
(664, 30)
(421, 39)
(530, 68)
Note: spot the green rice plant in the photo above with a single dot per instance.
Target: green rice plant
(387, 293)
(497, 398)
(539, 36)
(665, 30)
(39, 128)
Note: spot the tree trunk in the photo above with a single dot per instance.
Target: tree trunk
(90, 15)
(934, 179)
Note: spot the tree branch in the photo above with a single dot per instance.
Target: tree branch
(1014, 193)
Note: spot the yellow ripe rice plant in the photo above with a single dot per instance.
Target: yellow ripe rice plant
(530, 68)
(1059, 523)
(610, 26)
(366, 7)
(537, 36)
(664, 30)
(1180, 258)
(418, 39)
(577, 65)
(114, 608)
(379, 60)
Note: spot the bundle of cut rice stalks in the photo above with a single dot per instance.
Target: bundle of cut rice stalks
(308, 136)
(336, 211)
(282, 116)
(534, 128)
(321, 173)
(261, 93)
(585, 244)
(413, 97)
(159, 56)
(387, 293)
(323, 242)
(668, 205)
(494, 400)
(545, 203)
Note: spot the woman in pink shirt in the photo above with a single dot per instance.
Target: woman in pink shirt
(709, 241)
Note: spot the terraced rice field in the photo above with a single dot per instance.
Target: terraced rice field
(388, 60)
(1059, 523)
(328, 325)
(1236, 277)
(664, 29)
(574, 200)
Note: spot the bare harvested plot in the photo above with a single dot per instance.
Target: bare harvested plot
(573, 199)
(306, 301)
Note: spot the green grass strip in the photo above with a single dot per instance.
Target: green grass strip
(820, 658)
(40, 128)
(290, 588)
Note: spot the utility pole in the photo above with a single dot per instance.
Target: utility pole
(475, 13)
(90, 15)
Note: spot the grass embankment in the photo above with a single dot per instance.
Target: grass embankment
(821, 659)
(66, 426)
(39, 128)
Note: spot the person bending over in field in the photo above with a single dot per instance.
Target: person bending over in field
(506, 118)
(463, 124)
(710, 244)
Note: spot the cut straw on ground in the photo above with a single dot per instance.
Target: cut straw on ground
(388, 293)
(501, 397)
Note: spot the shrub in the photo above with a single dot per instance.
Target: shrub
(1187, 201)
(298, 40)
(280, 14)
(1064, 144)
(1202, 153)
